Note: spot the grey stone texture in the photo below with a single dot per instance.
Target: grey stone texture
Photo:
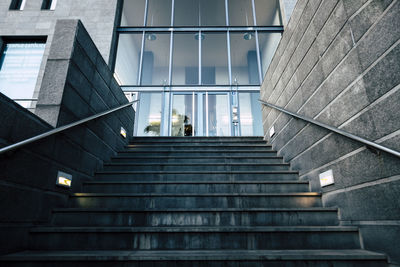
(338, 62)
(98, 16)
(77, 84)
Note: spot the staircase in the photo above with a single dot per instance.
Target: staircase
(223, 201)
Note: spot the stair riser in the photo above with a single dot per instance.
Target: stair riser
(187, 167)
(185, 160)
(195, 240)
(195, 188)
(197, 202)
(195, 148)
(201, 143)
(196, 177)
(227, 218)
(201, 262)
(195, 153)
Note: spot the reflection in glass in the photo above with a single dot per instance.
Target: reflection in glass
(268, 12)
(199, 13)
(149, 120)
(244, 58)
(159, 13)
(268, 42)
(214, 59)
(218, 115)
(185, 61)
(250, 114)
(19, 69)
(182, 119)
(133, 13)
(240, 13)
(128, 57)
(155, 59)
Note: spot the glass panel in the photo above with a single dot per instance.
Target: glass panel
(19, 69)
(199, 13)
(244, 58)
(187, 13)
(240, 13)
(133, 13)
(268, 12)
(268, 43)
(212, 13)
(156, 59)
(214, 59)
(250, 114)
(185, 61)
(159, 13)
(149, 120)
(128, 57)
(218, 115)
(182, 115)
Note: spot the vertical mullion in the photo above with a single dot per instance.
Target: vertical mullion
(139, 80)
(253, 8)
(145, 13)
(171, 44)
(199, 57)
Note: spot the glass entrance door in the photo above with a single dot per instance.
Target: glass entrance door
(200, 114)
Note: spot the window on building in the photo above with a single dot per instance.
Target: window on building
(133, 13)
(159, 13)
(268, 42)
(17, 4)
(128, 58)
(268, 12)
(240, 13)
(185, 61)
(19, 69)
(49, 4)
(155, 66)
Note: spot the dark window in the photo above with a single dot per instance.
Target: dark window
(17, 4)
(49, 4)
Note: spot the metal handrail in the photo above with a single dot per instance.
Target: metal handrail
(63, 128)
(334, 129)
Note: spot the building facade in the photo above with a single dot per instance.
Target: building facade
(196, 65)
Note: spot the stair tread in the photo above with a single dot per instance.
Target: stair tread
(193, 164)
(195, 182)
(305, 194)
(159, 255)
(190, 172)
(191, 229)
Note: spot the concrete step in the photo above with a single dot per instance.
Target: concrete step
(196, 217)
(198, 258)
(195, 187)
(196, 153)
(189, 238)
(195, 167)
(161, 201)
(197, 175)
(126, 158)
(185, 142)
(212, 147)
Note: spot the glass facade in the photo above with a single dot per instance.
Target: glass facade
(19, 69)
(198, 57)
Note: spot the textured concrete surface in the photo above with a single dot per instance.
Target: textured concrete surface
(77, 84)
(338, 62)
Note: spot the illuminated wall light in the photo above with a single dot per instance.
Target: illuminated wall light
(272, 131)
(64, 179)
(123, 132)
(326, 178)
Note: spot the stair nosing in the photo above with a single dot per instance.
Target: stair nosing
(198, 182)
(192, 229)
(199, 172)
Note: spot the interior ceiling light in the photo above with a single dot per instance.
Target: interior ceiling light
(151, 37)
(248, 36)
(196, 36)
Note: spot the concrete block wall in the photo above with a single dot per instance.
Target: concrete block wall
(339, 62)
(77, 83)
(100, 18)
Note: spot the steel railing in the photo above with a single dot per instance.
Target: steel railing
(334, 129)
(63, 128)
